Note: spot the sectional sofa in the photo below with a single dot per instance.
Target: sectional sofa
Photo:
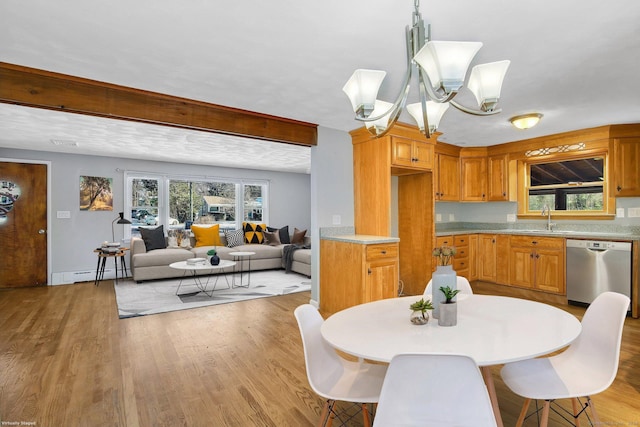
(154, 264)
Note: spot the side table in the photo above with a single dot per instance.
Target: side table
(102, 261)
(239, 258)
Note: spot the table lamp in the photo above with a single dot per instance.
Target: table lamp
(120, 220)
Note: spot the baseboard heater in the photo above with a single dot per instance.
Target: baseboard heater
(69, 277)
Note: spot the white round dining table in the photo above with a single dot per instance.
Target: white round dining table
(490, 329)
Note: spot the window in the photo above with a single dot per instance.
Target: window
(179, 202)
(144, 202)
(569, 186)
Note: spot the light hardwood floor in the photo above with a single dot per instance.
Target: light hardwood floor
(67, 360)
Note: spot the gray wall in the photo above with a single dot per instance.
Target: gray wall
(74, 239)
(331, 191)
(496, 212)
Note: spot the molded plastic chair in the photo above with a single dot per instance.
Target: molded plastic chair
(435, 390)
(331, 376)
(587, 367)
(461, 283)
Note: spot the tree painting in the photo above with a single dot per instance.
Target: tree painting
(96, 194)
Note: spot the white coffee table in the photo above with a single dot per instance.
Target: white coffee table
(240, 257)
(195, 268)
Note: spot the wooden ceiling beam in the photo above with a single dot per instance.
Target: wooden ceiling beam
(44, 89)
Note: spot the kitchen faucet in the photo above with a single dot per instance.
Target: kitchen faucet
(546, 210)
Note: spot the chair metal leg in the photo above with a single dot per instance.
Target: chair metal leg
(545, 413)
(325, 415)
(523, 412)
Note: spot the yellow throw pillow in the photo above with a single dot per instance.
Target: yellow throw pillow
(207, 236)
(253, 233)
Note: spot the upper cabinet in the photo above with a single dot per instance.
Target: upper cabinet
(498, 178)
(412, 154)
(626, 171)
(474, 179)
(447, 178)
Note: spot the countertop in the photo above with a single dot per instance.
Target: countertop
(568, 234)
(363, 239)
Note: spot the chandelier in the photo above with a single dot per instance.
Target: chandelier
(441, 68)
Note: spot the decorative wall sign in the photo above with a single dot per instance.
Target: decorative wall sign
(96, 193)
(9, 194)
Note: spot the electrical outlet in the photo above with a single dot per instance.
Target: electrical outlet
(633, 212)
(620, 212)
(63, 214)
(511, 217)
(438, 217)
(452, 217)
(336, 220)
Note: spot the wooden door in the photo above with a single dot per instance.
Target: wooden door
(627, 167)
(423, 154)
(382, 280)
(474, 179)
(549, 270)
(23, 224)
(402, 151)
(448, 178)
(487, 252)
(521, 266)
(498, 178)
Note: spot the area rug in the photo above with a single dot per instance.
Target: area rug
(159, 296)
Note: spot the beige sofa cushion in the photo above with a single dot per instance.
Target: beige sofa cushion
(158, 257)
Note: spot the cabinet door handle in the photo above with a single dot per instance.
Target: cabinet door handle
(530, 256)
(618, 188)
(369, 271)
(535, 242)
(504, 194)
(493, 240)
(537, 256)
(383, 252)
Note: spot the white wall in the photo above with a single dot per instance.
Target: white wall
(74, 239)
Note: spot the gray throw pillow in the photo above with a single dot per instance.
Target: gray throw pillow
(272, 238)
(234, 238)
(153, 238)
(283, 234)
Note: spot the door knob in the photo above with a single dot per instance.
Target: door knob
(41, 231)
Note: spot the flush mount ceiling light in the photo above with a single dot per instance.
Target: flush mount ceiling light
(441, 68)
(526, 121)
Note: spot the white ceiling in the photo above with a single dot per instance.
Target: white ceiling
(575, 61)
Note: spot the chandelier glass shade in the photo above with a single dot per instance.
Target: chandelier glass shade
(440, 68)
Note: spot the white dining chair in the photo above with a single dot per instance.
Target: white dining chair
(333, 377)
(587, 367)
(461, 283)
(434, 390)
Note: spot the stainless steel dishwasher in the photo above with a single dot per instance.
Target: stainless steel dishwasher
(595, 266)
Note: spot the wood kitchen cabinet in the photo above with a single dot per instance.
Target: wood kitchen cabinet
(462, 259)
(355, 272)
(410, 153)
(474, 179)
(447, 178)
(493, 253)
(626, 171)
(373, 171)
(538, 263)
(498, 178)
(473, 257)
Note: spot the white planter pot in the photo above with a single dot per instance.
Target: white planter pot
(448, 314)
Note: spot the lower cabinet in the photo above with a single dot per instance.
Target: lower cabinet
(493, 251)
(538, 263)
(356, 272)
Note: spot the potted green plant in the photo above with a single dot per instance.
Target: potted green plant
(444, 274)
(419, 315)
(448, 308)
(214, 258)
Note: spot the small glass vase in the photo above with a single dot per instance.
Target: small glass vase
(444, 276)
(419, 318)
